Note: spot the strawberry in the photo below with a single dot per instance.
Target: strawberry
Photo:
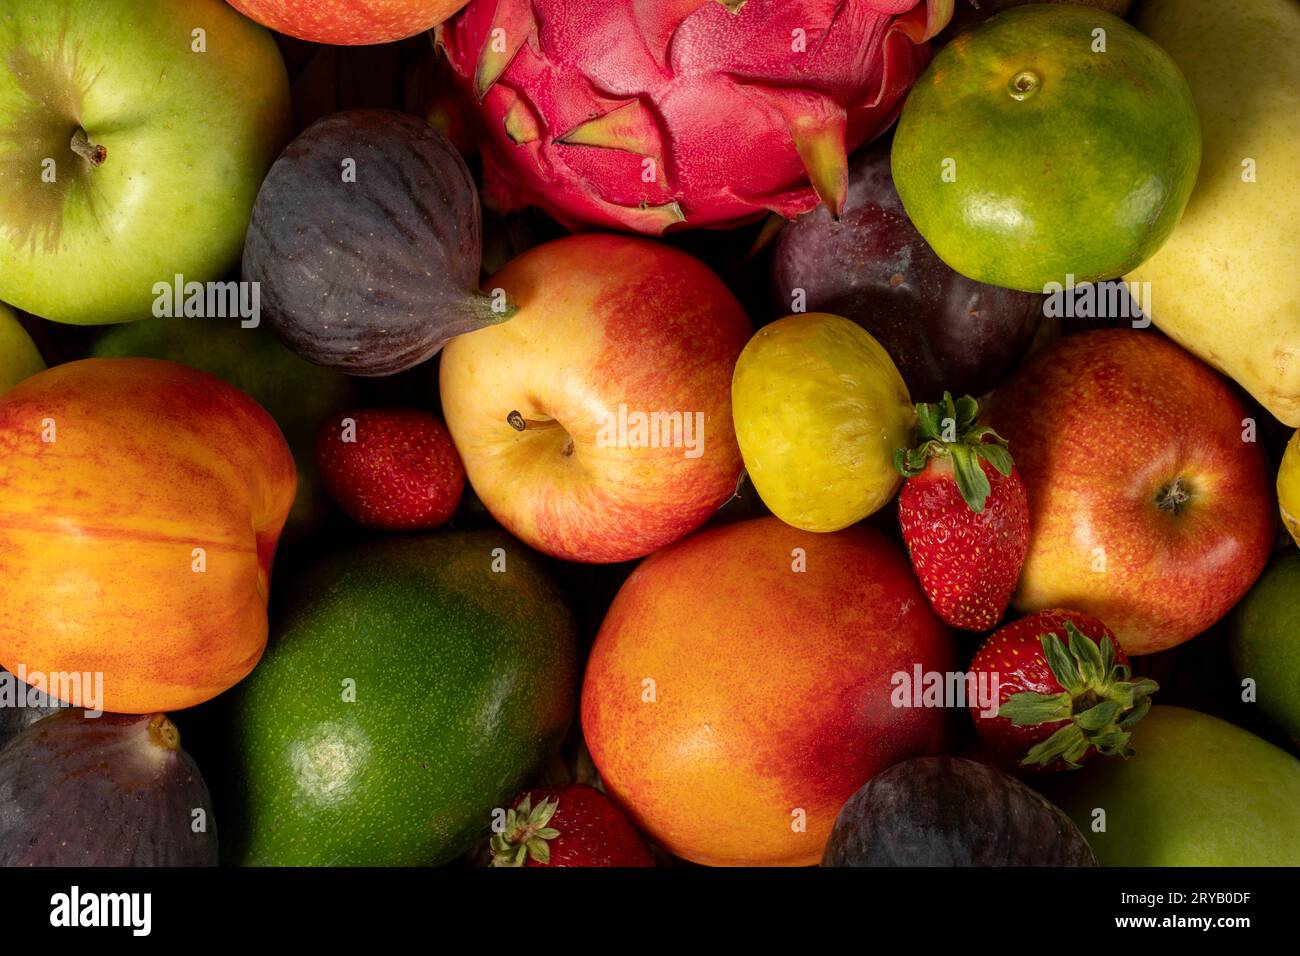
(569, 825)
(1064, 692)
(395, 469)
(964, 514)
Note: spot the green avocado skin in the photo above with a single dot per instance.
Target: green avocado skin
(1199, 792)
(1265, 641)
(465, 682)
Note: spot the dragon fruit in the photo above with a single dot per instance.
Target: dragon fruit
(655, 114)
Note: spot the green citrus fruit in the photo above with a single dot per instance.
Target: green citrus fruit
(1051, 141)
(819, 409)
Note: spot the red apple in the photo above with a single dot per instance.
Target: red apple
(141, 502)
(1150, 504)
(596, 423)
(349, 22)
(394, 469)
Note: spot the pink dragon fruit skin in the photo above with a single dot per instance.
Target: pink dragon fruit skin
(647, 115)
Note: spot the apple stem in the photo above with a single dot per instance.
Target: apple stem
(517, 421)
(92, 153)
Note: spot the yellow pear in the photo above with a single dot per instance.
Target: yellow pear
(1288, 487)
(1226, 285)
(18, 356)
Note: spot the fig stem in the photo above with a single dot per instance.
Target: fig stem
(92, 153)
(164, 733)
(484, 307)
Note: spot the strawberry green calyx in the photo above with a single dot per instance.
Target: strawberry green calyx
(1100, 702)
(950, 429)
(525, 834)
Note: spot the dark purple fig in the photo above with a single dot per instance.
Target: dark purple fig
(21, 706)
(366, 241)
(114, 790)
(943, 331)
(949, 811)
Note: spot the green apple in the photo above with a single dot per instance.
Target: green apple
(299, 395)
(1266, 641)
(18, 356)
(134, 135)
(1198, 792)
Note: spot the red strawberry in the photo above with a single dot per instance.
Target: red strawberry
(964, 514)
(1064, 692)
(395, 469)
(570, 825)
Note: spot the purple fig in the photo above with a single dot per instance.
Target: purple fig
(944, 332)
(21, 706)
(113, 790)
(949, 811)
(366, 242)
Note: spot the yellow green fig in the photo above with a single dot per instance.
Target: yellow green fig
(819, 409)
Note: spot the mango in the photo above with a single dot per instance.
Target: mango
(414, 685)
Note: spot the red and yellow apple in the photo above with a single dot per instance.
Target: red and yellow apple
(349, 22)
(1150, 504)
(595, 424)
(744, 685)
(140, 506)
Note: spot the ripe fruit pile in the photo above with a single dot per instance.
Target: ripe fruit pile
(843, 491)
